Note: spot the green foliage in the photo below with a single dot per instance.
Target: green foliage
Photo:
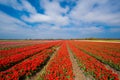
(68, 76)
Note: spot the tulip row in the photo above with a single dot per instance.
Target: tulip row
(5, 45)
(92, 66)
(8, 44)
(27, 67)
(104, 55)
(7, 62)
(5, 53)
(60, 66)
(111, 49)
(110, 46)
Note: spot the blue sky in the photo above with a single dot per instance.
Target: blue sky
(44, 19)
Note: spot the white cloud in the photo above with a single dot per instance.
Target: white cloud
(95, 11)
(86, 30)
(16, 28)
(13, 28)
(53, 8)
(28, 7)
(56, 22)
(60, 20)
(83, 11)
(37, 18)
(55, 11)
(12, 3)
(6, 19)
(91, 30)
(53, 14)
(24, 5)
(111, 19)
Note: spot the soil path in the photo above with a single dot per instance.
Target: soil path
(76, 70)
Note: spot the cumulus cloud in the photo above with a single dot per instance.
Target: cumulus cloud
(96, 11)
(53, 14)
(6, 19)
(12, 3)
(24, 5)
(37, 18)
(111, 19)
(54, 10)
(85, 18)
(53, 7)
(11, 25)
(28, 7)
(14, 28)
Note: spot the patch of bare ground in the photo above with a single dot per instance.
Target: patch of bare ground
(79, 75)
(37, 75)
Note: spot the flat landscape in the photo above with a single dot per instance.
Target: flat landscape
(59, 39)
(59, 60)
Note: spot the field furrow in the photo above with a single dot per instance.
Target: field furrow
(27, 67)
(92, 66)
(61, 60)
(7, 62)
(105, 56)
(60, 67)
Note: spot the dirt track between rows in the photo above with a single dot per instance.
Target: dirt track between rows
(76, 70)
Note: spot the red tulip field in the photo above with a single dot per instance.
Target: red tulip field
(59, 60)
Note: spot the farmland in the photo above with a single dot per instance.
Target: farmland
(59, 60)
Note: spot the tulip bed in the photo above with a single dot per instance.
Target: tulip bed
(5, 53)
(102, 52)
(52, 61)
(9, 61)
(27, 67)
(60, 67)
(92, 66)
(14, 51)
